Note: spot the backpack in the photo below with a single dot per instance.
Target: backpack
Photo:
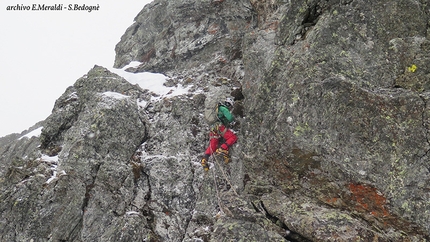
(211, 114)
(212, 105)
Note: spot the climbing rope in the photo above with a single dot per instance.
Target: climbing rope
(223, 173)
(216, 188)
(217, 193)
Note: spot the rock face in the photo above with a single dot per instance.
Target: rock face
(331, 103)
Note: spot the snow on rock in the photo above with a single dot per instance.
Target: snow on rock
(154, 82)
(130, 213)
(141, 103)
(52, 161)
(115, 95)
(49, 159)
(34, 133)
(111, 98)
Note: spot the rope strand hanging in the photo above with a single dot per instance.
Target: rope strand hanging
(224, 174)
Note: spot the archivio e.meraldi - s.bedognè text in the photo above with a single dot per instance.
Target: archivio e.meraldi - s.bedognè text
(55, 7)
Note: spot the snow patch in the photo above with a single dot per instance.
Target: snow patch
(72, 97)
(150, 81)
(52, 161)
(142, 103)
(133, 64)
(34, 133)
(115, 95)
(54, 175)
(132, 213)
(150, 157)
(49, 159)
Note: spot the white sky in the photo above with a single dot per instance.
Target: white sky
(44, 52)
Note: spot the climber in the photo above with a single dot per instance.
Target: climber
(221, 132)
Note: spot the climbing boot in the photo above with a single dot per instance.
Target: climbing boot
(205, 164)
(226, 159)
(222, 151)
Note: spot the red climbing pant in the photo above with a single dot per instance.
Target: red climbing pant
(216, 134)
